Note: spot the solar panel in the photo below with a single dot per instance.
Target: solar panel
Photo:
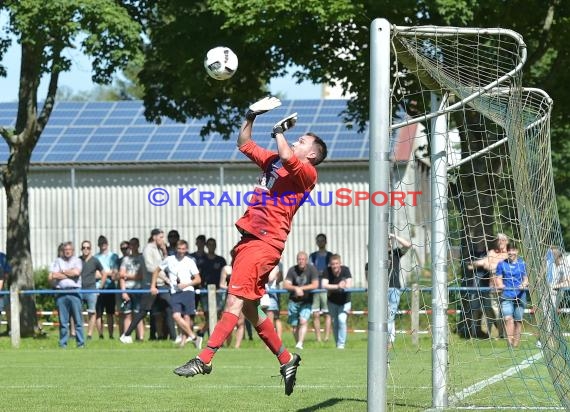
(75, 106)
(154, 156)
(186, 155)
(139, 139)
(348, 154)
(116, 121)
(90, 156)
(128, 147)
(118, 132)
(59, 157)
(122, 156)
(160, 146)
(218, 155)
(71, 148)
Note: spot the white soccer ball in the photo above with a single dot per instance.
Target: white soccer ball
(221, 63)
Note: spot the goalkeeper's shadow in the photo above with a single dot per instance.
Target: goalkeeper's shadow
(330, 403)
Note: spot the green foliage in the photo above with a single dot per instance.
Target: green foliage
(43, 302)
(104, 28)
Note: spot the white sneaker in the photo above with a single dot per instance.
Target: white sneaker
(178, 339)
(340, 347)
(299, 345)
(126, 339)
(198, 342)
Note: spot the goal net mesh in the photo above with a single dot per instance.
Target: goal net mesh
(500, 186)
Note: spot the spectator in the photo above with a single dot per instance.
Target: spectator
(489, 263)
(560, 278)
(183, 275)
(173, 237)
(395, 283)
(300, 280)
(338, 279)
(511, 278)
(240, 327)
(5, 270)
(131, 273)
(320, 259)
(199, 255)
(91, 271)
(211, 271)
(474, 302)
(124, 246)
(106, 301)
(65, 274)
(272, 311)
(153, 254)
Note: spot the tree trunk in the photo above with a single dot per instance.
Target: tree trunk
(477, 183)
(15, 180)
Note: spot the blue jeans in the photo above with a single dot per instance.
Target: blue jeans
(69, 305)
(513, 308)
(339, 316)
(393, 304)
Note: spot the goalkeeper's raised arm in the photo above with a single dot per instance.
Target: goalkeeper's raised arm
(261, 106)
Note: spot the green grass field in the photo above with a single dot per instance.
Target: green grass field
(110, 376)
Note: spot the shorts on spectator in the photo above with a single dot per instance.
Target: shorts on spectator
(105, 303)
(320, 302)
(90, 300)
(298, 310)
(513, 308)
(131, 305)
(273, 303)
(183, 302)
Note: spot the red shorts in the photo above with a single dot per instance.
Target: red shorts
(253, 259)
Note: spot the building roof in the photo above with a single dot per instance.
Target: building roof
(404, 142)
(117, 133)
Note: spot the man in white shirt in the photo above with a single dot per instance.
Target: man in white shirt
(183, 276)
(65, 274)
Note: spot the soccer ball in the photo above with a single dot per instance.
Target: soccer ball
(221, 63)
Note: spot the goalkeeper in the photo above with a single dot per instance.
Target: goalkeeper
(286, 175)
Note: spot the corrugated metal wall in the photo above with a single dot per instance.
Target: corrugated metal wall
(77, 204)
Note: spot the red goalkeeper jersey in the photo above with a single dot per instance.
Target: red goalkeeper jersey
(278, 195)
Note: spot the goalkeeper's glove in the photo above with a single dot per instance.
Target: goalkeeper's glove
(261, 106)
(284, 124)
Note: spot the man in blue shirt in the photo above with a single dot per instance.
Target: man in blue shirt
(512, 279)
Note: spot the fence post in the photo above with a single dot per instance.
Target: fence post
(415, 313)
(212, 308)
(15, 315)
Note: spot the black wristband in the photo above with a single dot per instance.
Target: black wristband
(250, 115)
(276, 129)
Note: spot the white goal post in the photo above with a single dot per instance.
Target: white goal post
(466, 84)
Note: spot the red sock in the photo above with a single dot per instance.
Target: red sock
(267, 333)
(221, 332)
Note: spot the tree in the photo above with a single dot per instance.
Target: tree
(109, 32)
(330, 41)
